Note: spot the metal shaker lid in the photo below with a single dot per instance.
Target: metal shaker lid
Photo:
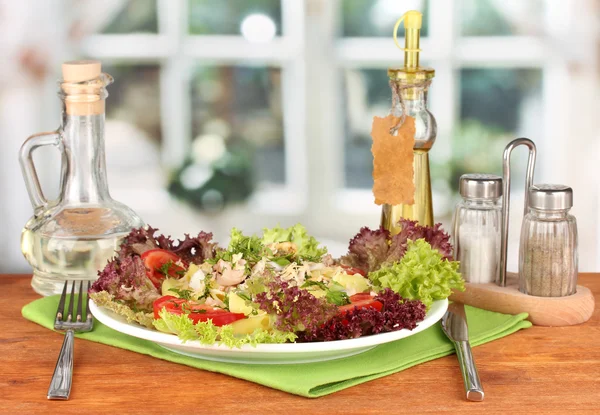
(550, 197)
(480, 186)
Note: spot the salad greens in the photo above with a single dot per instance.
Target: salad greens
(107, 300)
(207, 333)
(280, 245)
(307, 247)
(421, 274)
(280, 286)
(371, 249)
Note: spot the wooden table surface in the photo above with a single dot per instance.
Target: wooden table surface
(538, 370)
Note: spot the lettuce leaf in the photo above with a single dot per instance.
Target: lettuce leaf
(251, 247)
(207, 333)
(107, 300)
(194, 249)
(307, 246)
(422, 274)
(411, 230)
(126, 280)
(370, 250)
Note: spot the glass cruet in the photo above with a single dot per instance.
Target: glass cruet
(72, 237)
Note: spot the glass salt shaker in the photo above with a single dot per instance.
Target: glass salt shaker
(548, 251)
(477, 227)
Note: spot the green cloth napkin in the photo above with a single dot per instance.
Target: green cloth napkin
(311, 379)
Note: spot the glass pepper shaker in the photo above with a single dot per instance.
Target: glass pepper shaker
(548, 251)
(477, 227)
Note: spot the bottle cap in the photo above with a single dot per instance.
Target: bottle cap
(411, 72)
(480, 186)
(81, 96)
(550, 197)
(80, 71)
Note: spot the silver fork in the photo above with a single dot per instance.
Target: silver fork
(60, 385)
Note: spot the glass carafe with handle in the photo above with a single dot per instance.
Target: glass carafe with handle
(72, 237)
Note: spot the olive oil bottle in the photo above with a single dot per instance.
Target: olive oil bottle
(410, 84)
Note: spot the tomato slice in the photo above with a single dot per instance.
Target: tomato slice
(360, 297)
(196, 312)
(353, 270)
(170, 302)
(161, 263)
(363, 300)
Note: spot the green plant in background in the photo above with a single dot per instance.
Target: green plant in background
(477, 148)
(491, 108)
(211, 187)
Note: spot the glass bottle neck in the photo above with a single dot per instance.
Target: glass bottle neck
(413, 102)
(84, 165)
(414, 99)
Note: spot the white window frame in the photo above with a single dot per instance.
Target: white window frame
(313, 57)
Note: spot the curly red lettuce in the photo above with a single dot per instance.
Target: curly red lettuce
(396, 314)
(191, 250)
(370, 249)
(141, 240)
(433, 235)
(296, 309)
(126, 280)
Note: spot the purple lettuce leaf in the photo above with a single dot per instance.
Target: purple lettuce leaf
(126, 280)
(192, 249)
(296, 309)
(141, 240)
(196, 250)
(396, 314)
(433, 235)
(368, 249)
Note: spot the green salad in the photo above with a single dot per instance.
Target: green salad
(281, 286)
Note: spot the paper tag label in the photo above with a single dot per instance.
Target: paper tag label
(393, 156)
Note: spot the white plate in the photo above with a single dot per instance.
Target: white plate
(266, 353)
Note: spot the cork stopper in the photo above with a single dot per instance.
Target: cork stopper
(85, 99)
(80, 71)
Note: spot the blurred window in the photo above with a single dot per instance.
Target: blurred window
(134, 97)
(501, 17)
(230, 17)
(136, 16)
(241, 106)
(494, 105)
(367, 95)
(376, 18)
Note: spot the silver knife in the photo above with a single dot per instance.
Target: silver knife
(454, 324)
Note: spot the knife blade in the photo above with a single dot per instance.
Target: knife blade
(454, 324)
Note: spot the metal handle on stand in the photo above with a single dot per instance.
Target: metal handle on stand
(506, 196)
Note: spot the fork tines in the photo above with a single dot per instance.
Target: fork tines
(71, 320)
